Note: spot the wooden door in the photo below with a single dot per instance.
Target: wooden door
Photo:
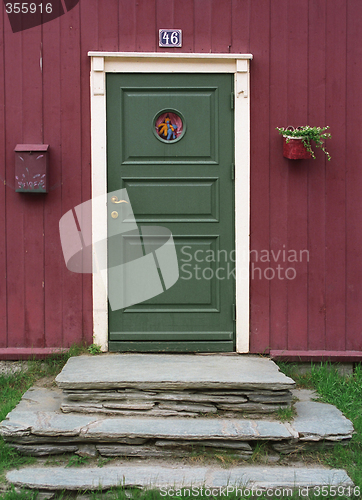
(170, 144)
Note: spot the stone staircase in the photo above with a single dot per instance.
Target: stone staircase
(173, 385)
(166, 408)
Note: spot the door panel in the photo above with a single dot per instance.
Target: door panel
(200, 143)
(185, 185)
(174, 200)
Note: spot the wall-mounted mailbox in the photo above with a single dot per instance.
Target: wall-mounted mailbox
(31, 168)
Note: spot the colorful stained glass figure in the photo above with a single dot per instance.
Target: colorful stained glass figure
(169, 126)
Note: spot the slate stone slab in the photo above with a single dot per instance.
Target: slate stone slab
(172, 371)
(172, 405)
(129, 413)
(87, 450)
(45, 424)
(251, 407)
(318, 421)
(134, 451)
(287, 447)
(38, 425)
(262, 398)
(283, 477)
(234, 445)
(262, 477)
(96, 397)
(182, 428)
(42, 450)
(127, 405)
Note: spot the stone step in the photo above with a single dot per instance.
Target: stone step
(248, 480)
(171, 385)
(172, 371)
(38, 427)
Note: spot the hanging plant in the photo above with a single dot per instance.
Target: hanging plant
(304, 135)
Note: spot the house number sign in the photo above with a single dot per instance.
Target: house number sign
(170, 38)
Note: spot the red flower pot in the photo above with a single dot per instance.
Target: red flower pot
(294, 149)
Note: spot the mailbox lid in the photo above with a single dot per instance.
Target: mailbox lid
(31, 147)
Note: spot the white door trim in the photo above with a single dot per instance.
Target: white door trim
(164, 62)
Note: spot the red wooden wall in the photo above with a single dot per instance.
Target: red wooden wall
(306, 69)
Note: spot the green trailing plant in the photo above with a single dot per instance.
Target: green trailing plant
(95, 349)
(307, 134)
(76, 461)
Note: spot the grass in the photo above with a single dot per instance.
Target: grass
(13, 386)
(345, 392)
(77, 461)
(285, 414)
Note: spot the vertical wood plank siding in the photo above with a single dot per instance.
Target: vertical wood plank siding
(306, 69)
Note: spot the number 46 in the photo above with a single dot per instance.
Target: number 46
(173, 39)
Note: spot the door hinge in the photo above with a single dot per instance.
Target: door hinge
(232, 100)
(233, 171)
(234, 312)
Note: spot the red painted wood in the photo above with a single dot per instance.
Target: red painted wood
(259, 178)
(33, 204)
(297, 96)
(164, 20)
(127, 26)
(14, 202)
(353, 155)
(15, 353)
(318, 355)
(3, 309)
(53, 259)
(146, 35)
(240, 14)
(108, 25)
(89, 38)
(279, 176)
(335, 177)
(71, 164)
(316, 178)
(221, 38)
(184, 20)
(202, 25)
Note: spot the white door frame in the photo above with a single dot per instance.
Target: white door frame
(164, 62)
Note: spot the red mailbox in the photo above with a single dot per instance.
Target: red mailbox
(31, 168)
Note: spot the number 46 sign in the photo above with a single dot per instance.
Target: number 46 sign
(170, 38)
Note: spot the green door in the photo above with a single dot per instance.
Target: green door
(170, 145)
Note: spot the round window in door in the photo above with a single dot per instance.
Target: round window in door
(169, 126)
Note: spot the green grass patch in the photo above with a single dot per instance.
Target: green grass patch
(345, 392)
(285, 414)
(12, 387)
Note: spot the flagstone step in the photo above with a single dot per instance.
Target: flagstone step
(171, 385)
(248, 480)
(38, 427)
(172, 371)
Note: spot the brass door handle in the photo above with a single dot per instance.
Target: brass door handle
(114, 199)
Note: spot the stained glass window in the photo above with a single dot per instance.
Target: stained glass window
(169, 126)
